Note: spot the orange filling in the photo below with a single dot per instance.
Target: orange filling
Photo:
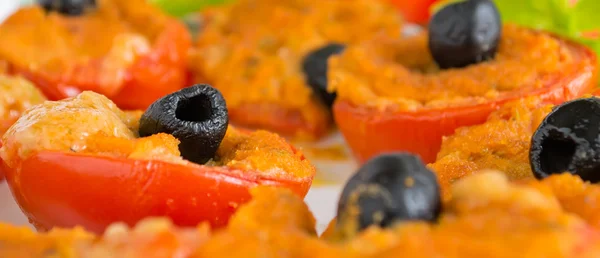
(487, 217)
(116, 32)
(92, 124)
(399, 74)
(16, 96)
(252, 50)
(501, 143)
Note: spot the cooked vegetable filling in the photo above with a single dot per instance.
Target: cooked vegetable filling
(91, 123)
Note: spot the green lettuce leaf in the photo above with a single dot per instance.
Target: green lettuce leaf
(575, 19)
(180, 8)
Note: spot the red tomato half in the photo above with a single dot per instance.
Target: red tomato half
(68, 189)
(415, 11)
(370, 132)
(153, 75)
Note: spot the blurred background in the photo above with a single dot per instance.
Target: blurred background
(574, 19)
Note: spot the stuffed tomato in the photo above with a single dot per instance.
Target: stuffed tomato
(554, 217)
(83, 161)
(406, 94)
(271, 62)
(126, 50)
(16, 96)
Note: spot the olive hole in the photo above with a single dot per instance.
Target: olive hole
(557, 154)
(194, 109)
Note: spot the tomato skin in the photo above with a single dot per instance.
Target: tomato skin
(289, 122)
(310, 122)
(157, 73)
(68, 189)
(415, 11)
(370, 132)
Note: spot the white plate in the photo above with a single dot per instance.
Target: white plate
(7, 7)
(9, 211)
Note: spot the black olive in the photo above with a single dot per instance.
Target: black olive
(568, 140)
(314, 67)
(196, 115)
(67, 7)
(464, 33)
(389, 188)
